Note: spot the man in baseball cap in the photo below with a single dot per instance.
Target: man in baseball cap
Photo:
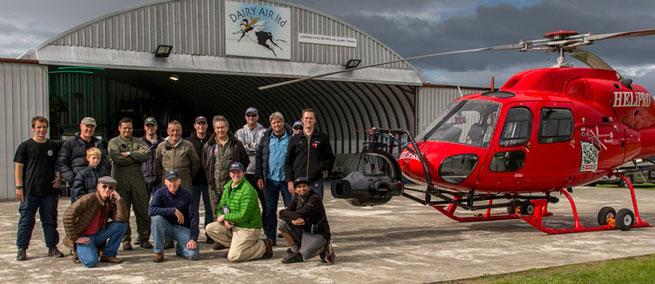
(238, 208)
(174, 213)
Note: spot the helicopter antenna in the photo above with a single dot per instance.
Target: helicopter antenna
(460, 91)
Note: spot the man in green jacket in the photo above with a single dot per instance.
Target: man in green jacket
(127, 154)
(239, 220)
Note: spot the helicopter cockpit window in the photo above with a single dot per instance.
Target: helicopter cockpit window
(471, 122)
(556, 125)
(516, 130)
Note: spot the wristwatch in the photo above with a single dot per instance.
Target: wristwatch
(19, 187)
(128, 153)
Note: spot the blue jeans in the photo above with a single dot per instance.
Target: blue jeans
(273, 189)
(163, 230)
(317, 187)
(203, 189)
(112, 234)
(47, 206)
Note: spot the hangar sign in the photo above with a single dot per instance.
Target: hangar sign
(257, 31)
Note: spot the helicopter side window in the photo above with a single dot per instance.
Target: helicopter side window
(516, 130)
(507, 161)
(556, 125)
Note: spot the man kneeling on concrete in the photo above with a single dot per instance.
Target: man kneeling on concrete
(240, 222)
(85, 222)
(305, 226)
(174, 216)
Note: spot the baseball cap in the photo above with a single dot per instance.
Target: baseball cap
(297, 123)
(171, 174)
(88, 121)
(200, 119)
(150, 120)
(107, 180)
(252, 110)
(300, 180)
(236, 166)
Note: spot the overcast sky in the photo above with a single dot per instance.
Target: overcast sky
(411, 28)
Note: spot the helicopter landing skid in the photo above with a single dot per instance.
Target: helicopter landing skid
(626, 220)
(487, 216)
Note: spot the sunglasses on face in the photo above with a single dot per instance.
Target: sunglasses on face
(251, 115)
(298, 128)
(105, 186)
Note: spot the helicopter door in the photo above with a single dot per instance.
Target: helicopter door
(553, 151)
(504, 167)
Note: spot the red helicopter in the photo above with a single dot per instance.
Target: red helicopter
(543, 132)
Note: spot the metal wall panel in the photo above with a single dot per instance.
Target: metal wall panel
(24, 94)
(434, 99)
(195, 27)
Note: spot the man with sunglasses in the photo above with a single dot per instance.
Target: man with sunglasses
(152, 179)
(86, 224)
(250, 135)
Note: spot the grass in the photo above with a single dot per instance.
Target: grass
(640, 269)
(649, 186)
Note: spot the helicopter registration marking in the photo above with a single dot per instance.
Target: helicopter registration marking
(632, 99)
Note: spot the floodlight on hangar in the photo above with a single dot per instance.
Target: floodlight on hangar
(163, 50)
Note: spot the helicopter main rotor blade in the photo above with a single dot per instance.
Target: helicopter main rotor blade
(623, 34)
(499, 47)
(590, 59)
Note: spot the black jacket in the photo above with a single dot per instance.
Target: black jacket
(312, 211)
(86, 181)
(263, 152)
(308, 159)
(207, 161)
(72, 156)
(150, 175)
(200, 178)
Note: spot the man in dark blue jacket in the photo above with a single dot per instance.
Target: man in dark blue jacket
(269, 170)
(174, 216)
(72, 156)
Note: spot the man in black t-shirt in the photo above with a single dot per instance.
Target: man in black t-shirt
(36, 188)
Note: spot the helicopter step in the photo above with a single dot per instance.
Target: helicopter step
(608, 219)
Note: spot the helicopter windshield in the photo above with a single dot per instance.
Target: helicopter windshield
(470, 122)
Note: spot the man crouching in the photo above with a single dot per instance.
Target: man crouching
(240, 222)
(174, 216)
(85, 222)
(305, 226)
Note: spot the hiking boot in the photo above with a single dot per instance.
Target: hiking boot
(22, 254)
(110, 259)
(54, 252)
(269, 249)
(127, 245)
(218, 246)
(159, 257)
(292, 257)
(167, 244)
(146, 245)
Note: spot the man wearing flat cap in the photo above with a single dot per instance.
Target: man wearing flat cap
(304, 225)
(174, 216)
(86, 224)
(239, 222)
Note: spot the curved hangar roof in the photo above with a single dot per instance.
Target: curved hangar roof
(221, 63)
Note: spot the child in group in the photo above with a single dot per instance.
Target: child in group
(87, 179)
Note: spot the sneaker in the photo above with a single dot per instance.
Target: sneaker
(292, 257)
(54, 252)
(327, 255)
(22, 254)
(269, 249)
(218, 246)
(167, 244)
(159, 257)
(110, 259)
(127, 245)
(146, 245)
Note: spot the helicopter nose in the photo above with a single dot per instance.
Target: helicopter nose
(449, 164)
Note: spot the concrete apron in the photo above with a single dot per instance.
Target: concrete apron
(400, 241)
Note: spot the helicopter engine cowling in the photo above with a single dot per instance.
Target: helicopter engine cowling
(366, 189)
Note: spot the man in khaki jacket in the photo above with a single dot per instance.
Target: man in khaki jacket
(85, 222)
(127, 154)
(177, 154)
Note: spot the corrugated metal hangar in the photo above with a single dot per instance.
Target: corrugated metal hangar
(220, 52)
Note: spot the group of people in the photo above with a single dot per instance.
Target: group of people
(163, 180)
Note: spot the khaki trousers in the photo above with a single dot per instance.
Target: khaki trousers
(244, 243)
